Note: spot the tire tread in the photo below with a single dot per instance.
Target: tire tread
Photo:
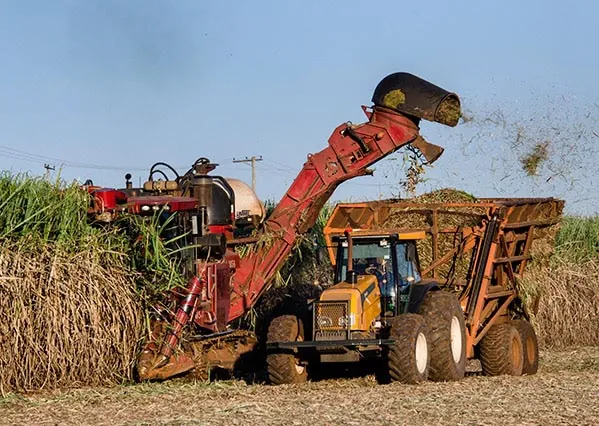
(438, 308)
(401, 364)
(281, 365)
(495, 351)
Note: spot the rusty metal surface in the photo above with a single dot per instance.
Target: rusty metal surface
(518, 212)
(225, 352)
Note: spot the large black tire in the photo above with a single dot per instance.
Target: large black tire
(447, 333)
(501, 351)
(530, 346)
(284, 366)
(407, 360)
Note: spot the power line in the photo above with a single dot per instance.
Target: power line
(284, 166)
(16, 154)
(9, 152)
(275, 171)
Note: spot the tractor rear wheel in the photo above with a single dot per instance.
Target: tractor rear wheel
(530, 346)
(408, 358)
(501, 351)
(284, 366)
(447, 331)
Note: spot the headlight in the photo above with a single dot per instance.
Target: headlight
(325, 322)
(343, 321)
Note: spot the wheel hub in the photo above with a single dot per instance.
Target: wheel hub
(456, 339)
(298, 367)
(421, 353)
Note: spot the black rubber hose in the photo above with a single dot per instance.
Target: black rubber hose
(160, 163)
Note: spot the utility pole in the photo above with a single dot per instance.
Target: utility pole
(48, 168)
(251, 160)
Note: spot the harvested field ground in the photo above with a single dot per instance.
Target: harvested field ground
(565, 391)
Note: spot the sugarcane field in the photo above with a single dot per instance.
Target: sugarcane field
(256, 213)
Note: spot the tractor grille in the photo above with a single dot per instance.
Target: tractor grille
(331, 320)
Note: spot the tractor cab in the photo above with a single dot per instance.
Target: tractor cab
(388, 261)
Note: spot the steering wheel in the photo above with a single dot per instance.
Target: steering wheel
(371, 270)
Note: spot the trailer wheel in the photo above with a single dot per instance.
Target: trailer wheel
(530, 346)
(447, 331)
(408, 359)
(501, 351)
(284, 366)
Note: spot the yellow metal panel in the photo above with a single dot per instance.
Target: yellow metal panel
(416, 235)
(371, 307)
(363, 312)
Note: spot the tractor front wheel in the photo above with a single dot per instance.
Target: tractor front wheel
(408, 358)
(283, 365)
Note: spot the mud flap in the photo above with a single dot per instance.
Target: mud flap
(418, 293)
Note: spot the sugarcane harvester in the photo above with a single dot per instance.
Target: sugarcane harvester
(223, 286)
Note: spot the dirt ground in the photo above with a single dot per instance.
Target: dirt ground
(565, 391)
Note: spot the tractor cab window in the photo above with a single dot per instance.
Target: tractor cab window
(406, 262)
(370, 257)
(376, 257)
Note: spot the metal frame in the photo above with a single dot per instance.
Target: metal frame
(330, 343)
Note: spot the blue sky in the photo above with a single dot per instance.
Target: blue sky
(105, 87)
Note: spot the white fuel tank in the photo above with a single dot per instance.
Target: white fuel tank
(249, 210)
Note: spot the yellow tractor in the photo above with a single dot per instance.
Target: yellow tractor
(377, 309)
